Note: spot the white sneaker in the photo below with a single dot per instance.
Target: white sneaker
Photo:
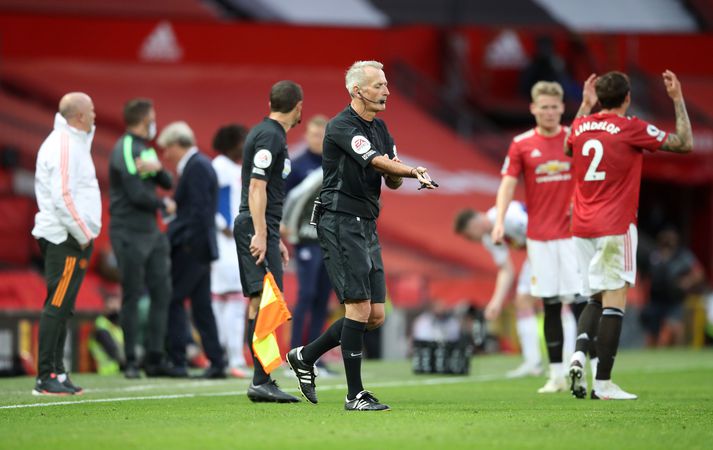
(553, 385)
(606, 390)
(525, 370)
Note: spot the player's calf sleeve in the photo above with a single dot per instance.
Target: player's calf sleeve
(587, 328)
(554, 336)
(352, 345)
(259, 375)
(608, 340)
(324, 343)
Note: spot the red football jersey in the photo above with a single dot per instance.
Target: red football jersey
(607, 151)
(548, 182)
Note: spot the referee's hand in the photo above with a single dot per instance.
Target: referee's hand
(423, 177)
(258, 248)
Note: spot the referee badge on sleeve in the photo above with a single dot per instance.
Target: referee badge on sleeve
(262, 159)
(360, 144)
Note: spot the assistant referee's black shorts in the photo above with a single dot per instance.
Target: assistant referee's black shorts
(352, 255)
(251, 275)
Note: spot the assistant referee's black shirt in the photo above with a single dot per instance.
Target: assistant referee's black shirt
(265, 158)
(351, 184)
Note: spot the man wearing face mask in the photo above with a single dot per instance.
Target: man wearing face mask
(68, 221)
(142, 250)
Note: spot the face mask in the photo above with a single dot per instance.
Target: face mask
(113, 317)
(152, 130)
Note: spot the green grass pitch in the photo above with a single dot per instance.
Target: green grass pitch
(483, 410)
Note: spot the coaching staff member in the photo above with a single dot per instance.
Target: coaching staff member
(141, 249)
(193, 248)
(257, 226)
(358, 152)
(68, 220)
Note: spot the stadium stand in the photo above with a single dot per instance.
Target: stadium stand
(164, 9)
(209, 72)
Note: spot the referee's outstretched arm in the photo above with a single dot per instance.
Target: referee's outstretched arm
(397, 169)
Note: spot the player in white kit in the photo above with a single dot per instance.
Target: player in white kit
(228, 303)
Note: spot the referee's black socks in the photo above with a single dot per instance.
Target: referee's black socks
(324, 343)
(352, 346)
(259, 375)
(608, 340)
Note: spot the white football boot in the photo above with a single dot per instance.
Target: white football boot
(606, 390)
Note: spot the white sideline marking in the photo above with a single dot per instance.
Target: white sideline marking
(427, 382)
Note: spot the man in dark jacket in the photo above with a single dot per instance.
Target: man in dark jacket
(193, 247)
(141, 249)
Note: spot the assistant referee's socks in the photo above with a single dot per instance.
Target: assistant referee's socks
(608, 340)
(259, 375)
(352, 346)
(324, 343)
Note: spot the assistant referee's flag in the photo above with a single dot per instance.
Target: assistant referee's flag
(273, 312)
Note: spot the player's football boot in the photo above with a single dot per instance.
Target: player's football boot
(554, 385)
(606, 390)
(577, 377)
(66, 382)
(365, 401)
(270, 392)
(305, 374)
(51, 386)
(525, 370)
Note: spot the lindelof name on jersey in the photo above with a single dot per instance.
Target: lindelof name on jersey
(553, 170)
(597, 126)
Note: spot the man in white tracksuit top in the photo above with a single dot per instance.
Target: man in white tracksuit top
(68, 221)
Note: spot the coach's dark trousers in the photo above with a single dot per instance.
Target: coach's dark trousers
(191, 279)
(144, 262)
(65, 267)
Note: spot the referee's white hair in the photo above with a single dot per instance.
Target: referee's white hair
(356, 74)
(177, 133)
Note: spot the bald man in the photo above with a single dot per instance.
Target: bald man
(68, 221)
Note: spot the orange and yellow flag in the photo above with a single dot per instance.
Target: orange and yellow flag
(273, 312)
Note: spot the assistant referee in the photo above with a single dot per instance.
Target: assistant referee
(358, 152)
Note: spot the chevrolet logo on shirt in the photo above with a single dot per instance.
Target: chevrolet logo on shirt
(552, 167)
(553, 171)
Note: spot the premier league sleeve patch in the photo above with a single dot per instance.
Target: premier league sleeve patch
(360, 145)
(262, 159)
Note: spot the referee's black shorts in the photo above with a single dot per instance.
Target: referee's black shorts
(251, 275)
(352, 255)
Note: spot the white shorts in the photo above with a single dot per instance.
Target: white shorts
(523, 280)
(607, 262)
(554, 268)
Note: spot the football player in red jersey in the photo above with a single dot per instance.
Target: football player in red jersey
(536, 155)
(607, 149)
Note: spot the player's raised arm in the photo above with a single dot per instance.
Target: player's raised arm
(682, 140)
(589, 97)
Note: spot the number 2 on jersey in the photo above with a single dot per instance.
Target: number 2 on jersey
(592, 173)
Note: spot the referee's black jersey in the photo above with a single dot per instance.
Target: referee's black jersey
(265, 158)
(351, 184)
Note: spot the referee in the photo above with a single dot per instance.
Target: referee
(358, 152)
(257, 226)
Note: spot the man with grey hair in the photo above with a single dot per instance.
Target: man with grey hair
(358, 152)
(193, 248)
(68, 221)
